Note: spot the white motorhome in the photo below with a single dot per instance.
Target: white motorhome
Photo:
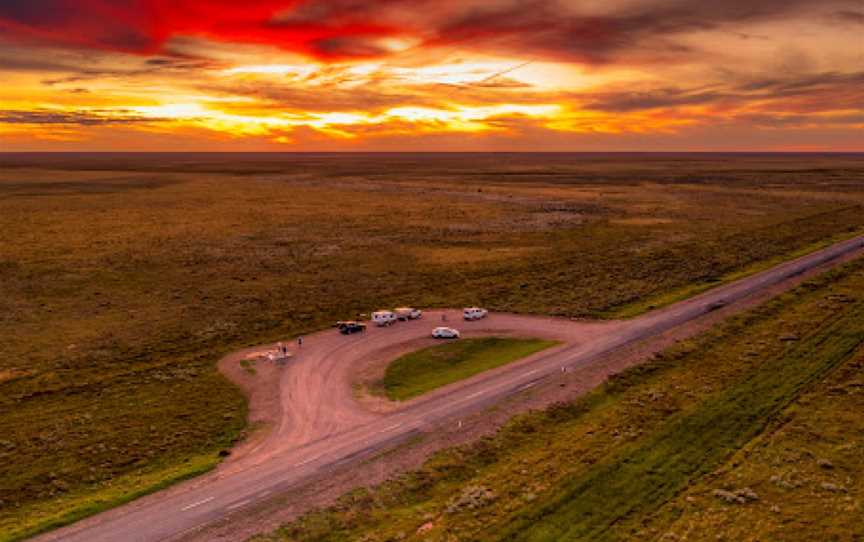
(408, 313)
(474, 313)
(383, 318)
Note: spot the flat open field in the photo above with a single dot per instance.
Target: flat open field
(124, 277)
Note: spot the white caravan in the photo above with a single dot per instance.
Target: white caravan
(383, 318)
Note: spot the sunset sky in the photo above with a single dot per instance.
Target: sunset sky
(426, 75)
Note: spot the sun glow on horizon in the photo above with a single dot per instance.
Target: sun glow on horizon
(456, 118)
(481, 73)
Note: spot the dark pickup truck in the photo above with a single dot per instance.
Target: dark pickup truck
(347, 328)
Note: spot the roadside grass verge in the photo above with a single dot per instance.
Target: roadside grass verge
(664, 299)
(600, 467)
(142, 452)
(436, 366)
(74, 506)
(639, 480)
(805, 468)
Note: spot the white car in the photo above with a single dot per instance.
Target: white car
(408, 313)
(445, 333)
(474, 313)
(383, 318)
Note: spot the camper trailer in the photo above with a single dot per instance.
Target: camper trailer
(384, 318)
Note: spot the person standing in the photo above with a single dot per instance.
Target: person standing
(300, 341)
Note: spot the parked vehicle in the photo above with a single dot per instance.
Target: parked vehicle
(349, 327)
(474, 313)
(384, 318)
(445, 333)
(408, 313)
(717, 305)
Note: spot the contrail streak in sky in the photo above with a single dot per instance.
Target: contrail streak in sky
(492, 77)
(502, 72)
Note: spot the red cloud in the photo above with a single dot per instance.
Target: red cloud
(123, 25)
(332, 29)
(145, 26)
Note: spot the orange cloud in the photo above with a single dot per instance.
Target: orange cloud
(295, 73)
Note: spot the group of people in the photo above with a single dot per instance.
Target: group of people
(283, 348)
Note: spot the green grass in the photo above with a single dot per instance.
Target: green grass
(612, 465)
(436, 366)
(786, 467)
(248, 366)
(79, 504)
(639, 480)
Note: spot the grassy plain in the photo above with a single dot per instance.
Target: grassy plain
(807, 468)
(125, 277)
(713, 439)
(430, 368)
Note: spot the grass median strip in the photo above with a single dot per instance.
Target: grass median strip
(430, 368)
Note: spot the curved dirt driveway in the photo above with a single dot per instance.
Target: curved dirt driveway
(315, 397)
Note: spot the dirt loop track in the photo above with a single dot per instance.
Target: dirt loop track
(315, 394)
(316, 422)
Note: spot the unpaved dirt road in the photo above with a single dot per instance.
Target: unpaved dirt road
(316, 399)
(319, 424)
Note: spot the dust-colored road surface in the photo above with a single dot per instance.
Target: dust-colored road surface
(320, 425)
(317, 400)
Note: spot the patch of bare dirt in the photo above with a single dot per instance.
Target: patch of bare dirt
(259, 381)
